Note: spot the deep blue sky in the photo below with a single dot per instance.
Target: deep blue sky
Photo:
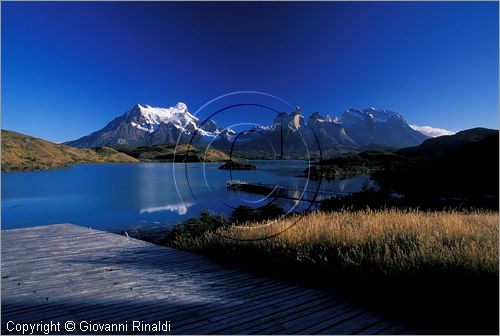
(69, 68)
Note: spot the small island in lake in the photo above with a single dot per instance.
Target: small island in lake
(238, 165)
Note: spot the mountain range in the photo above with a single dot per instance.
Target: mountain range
(289, 133)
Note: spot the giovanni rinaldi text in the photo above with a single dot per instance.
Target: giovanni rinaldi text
(49, 327)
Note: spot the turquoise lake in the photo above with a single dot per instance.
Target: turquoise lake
(115, 197)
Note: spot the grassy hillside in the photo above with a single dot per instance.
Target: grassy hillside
(22, 152)
(169, 153)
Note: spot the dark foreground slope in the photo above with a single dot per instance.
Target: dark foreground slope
(467, 174)
(458, 171)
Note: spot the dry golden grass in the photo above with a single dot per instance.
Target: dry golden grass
(23, 152)
(388, 242)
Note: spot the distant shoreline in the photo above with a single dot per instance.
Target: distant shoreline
(70, 165)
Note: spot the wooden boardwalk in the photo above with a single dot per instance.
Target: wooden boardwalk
(63, 272)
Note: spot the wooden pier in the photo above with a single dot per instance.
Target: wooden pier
(61, 273)
(285, 192)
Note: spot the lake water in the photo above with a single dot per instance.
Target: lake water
(115, 197)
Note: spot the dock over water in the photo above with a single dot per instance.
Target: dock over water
(284, 192)
(64, 272)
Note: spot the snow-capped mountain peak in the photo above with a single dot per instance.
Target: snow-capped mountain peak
(148, 118)
(181, 106)
(144, 125)
(353, 115)
(318, 118)
(379, 126)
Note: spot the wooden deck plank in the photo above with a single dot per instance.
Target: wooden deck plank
(68, 270)
(305, 308)
(250, 312)
(353, 325)
(63, 272)
(321, 323)
(225, 313)
(200, 312)
(396, 330)
(244, 285)
(262, 318)
(305, 324)
(376, 328)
